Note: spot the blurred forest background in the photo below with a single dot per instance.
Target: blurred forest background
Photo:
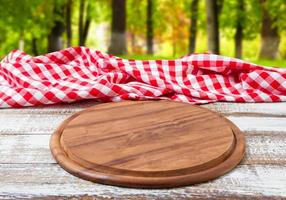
(254, 30)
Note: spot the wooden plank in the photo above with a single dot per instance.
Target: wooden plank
(34, 180)
(29, 123)
(46, 123)
(256, 109)
(35, 149)
(64, 108)
(268, 149)
(261, 175)
(260, 125)
(43, 120)
(25, 149)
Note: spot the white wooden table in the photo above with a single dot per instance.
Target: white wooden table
(27, 169)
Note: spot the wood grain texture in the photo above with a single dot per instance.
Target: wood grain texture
(29, 149)
(45, 123)
(261, 175)
(147, 144)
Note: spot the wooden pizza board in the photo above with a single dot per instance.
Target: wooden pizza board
(147, 144)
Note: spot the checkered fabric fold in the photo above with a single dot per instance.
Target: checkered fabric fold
(78, 73)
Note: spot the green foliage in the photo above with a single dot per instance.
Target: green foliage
(27, 18)
(250, 18)
(17, 14)
(136, 23)
(33, 19)
(175, 23)
(99, 10)
(277, 10)
(136, 16)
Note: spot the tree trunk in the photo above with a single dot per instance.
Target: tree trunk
(133, 42)
(55, 42)
(212, 26)
(85, 30)
(149, 24)
(80, 23)
(219, 6)
(34, 46)
(118, 28)
(239, 29)
(86, 24)
(269, 36)
(174, 42)
(68, 22)
(193, 26)
(21, 41)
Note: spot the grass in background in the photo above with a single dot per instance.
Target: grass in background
(250, 51)
(270, 63)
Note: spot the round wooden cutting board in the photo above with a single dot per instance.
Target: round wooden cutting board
(147, 144)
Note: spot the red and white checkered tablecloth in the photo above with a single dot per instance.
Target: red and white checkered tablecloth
(79, 73)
